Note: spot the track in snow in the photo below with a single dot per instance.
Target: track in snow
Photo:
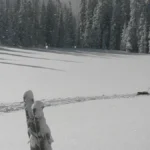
(10, 107)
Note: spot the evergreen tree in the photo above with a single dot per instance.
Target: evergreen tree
(106, 23)
(69, 27)
(56, 21)
(15, 22)
(132, 39)
(29, 27)
(9, 26)
(142, 34)
(143, 29)
(77, 35)
(116, 25)
(147, 14)
(2, 22)
(61, 32)
(148, 40)
(125, 9)
(43, 24)
(124, 37)
(35, 23)
(82, 21)
(89, 16)
(97, 26)
(50, 22)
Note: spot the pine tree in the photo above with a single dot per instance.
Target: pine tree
(125, 8)
(147, 14)
(2, 21)
(82, 21)
(71, 25)
(36, 25)
(24, 29)
(143, 29)
(97, 26)
(66, 32)
(116, 26)
(8, 24)
(148, 41)
(124, 37)
(43, 24)
(132, 39)
(77, 35)
(56, 21)
(106, 23)
(141, 34)
(15, 22)
(89, 13)
(29, 38)
(50, 22)
(61, 32)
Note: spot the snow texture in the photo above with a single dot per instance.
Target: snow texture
(117, 119)
(113, 124)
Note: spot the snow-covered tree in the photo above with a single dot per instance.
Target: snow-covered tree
(96, 26)
(36, 21)
(101, 24)
(147, 13)
(106, 23)
(124, 36)
(43, 24)
(82, 21)
(142, 34)
(69, 26)
(125, 9)
(2, 22)
(56, 21)
(132, 39)
(116, 25)
(61, 31)
(149, 40)
(50, 22)
(89, 16)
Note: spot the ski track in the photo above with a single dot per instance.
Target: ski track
(11, 107)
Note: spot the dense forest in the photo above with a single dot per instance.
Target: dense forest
(115, 24)
(102, 24)
(32, 23)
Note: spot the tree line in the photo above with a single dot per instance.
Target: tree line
(101, 24)
(115, 24)
(36, 23)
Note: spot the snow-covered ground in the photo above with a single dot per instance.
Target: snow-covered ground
(112, 124)
(56, 74)
(100, 125)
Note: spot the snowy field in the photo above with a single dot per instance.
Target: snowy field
(56, 74)
(117, 124)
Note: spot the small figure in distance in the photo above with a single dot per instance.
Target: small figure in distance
(46, 46)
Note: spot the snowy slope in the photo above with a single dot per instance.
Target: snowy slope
(103, 124)
(100, 125)
(63, 74)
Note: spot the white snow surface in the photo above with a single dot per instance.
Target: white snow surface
(100, 125)
(112, 124)
(70, 74)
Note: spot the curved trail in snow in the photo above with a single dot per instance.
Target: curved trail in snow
(16, 106)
